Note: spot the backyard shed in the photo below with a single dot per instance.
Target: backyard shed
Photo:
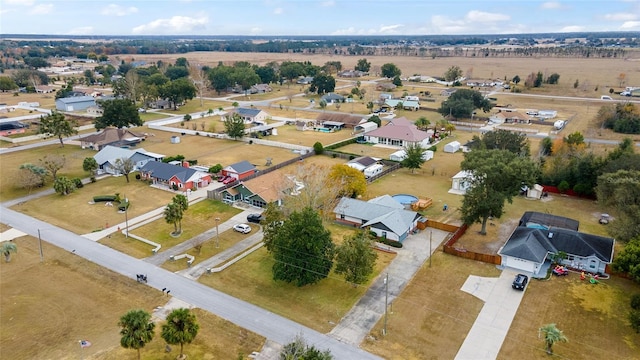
(366, 127)
(452, 147)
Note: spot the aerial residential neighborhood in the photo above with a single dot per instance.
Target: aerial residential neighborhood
(461, 196)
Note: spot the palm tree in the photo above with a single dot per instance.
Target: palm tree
(173, 215)
(137, 330)
(8, 247)
(422, 123)
(182, 203)
(552, 335)
(181, 328)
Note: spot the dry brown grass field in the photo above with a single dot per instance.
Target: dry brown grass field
(45, 308)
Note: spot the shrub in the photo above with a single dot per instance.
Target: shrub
(175, 187)
(392, 243)
(100, 198)
(138, 177)
(93, 179)
(563, 186)
(317, 148)
(123, 205)
(78, 183)
(635, 302)
(634, 319)
(433, 148)
(215, 169)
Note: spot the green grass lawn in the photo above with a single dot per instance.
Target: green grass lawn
(197, 219)
(251, 280)
(193, 106)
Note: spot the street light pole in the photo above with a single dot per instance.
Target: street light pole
(217, 233)
(40, 246)
(386, 300)
(126, 218)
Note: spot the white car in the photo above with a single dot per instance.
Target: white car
(242, 228)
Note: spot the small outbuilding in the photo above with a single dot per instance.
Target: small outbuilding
(452, 147)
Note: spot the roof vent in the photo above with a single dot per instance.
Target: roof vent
(550, 235)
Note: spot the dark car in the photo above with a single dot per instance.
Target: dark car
(520, 282)
(255, 218)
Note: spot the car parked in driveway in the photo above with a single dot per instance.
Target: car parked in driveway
(255, 218)
(242, 228)
(520, 282)
(228, 180)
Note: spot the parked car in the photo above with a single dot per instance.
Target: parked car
(242, 228)
(221, 178)
(228, 180)
(520, 282)
(255, 218)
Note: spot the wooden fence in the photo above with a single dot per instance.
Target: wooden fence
(449, 245)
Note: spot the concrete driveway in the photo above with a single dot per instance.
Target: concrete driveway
(488, 332)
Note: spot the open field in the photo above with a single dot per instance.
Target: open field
(46, 101)
(251, 280)
(65, 211)
(45, 308)
(10, 164)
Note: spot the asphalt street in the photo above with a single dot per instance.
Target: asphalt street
(239, 312)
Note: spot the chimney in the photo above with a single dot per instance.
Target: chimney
(185, 164)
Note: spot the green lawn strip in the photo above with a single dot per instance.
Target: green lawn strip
(432, 316)
(208, 249)
(319, 306)
(75, 212)
(193, 106)
(149, 116)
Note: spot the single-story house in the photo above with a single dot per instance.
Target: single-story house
(365, 127)
(402, 154)
(258, 191)
(406, 104)
(95, 110)
(385, 87)
(12, 127)
(448, 92)
(304, 80)
(333, 98)
(383, 215)
(361, 163)
(351, 73)
(45, 89)
(239, 170)
(452, 147)
(303, 125)
(161, 104)
(183, 177)
(510, 117)
(111, 136)
(107, 156)
(334, 125)
(349, 121)
(530, 245)
(399, 132)
(260, 89)
(460, 182)
(75, 103)
(249, 115)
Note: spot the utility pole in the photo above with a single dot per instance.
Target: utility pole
(217, 233)
(386, 301)
(40, 246)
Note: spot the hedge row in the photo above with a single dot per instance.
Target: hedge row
(100, 198)
(392, 243)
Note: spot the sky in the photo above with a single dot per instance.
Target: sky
(315, 17)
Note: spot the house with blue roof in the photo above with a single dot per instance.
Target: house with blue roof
(108, 155)
(249, 115)
(75, 103)
(239, 170)
(174, 176)
(383, 215)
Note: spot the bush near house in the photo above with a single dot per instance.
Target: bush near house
(101, 198)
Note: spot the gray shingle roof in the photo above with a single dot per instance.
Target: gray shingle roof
(534, 243)
(248, 112)
(397, 220)
(242, 167)
(76, 99)
(111, 153)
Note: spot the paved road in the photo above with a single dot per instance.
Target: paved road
(249, 316)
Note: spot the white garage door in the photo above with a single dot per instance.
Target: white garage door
(518, 264)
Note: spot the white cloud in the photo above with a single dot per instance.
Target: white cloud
(256, 30)
(174, 25)
(572, 28)
(278, 11)
(384, 29)
(328, 3)
(481, 16)
(41, 9)
(19, 2)
(83, 30)
(389, 29)
(551, 5)
(117, 10)
(630, 25)
(620, 17)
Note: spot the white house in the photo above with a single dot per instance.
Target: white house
(108, 155)
(400, 132)
(249, 115)
(383, 215)
(452, 147)
(539, 236)
(460, 182)
(401, 155)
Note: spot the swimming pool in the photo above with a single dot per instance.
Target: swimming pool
(405, 199)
